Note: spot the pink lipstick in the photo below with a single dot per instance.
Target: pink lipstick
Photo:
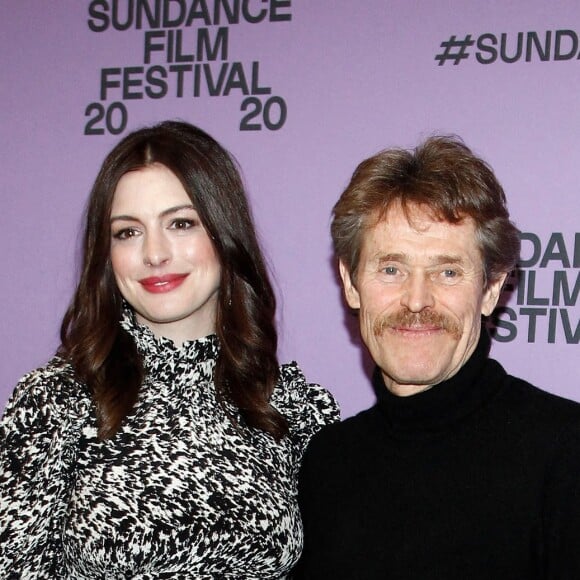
(161, 284)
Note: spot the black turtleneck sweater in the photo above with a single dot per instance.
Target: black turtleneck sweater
(475, 478)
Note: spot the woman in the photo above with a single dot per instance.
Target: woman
(163, 440)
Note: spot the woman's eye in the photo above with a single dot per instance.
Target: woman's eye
(125, 234)
(182, 224)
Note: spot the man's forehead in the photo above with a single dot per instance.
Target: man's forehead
(417, 216)
(414, 214)
(434, 259)
(402, 232)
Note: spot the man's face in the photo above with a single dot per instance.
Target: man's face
(420, 292)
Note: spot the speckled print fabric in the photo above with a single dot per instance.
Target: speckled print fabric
(180, 492)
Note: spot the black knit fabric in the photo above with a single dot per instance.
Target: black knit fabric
(475, 478)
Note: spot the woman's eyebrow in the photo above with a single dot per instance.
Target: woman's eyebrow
(164, 213)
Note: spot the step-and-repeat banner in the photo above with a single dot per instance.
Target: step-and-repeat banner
(300, 92)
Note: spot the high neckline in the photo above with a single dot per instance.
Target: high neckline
(435, 409)
(161, 351)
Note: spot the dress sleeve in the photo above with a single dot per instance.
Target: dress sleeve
(307, 407)
(38, 440)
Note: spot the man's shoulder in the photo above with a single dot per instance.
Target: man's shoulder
(549, 401)
(539, 405)
(355, 430)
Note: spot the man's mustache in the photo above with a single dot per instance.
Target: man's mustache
(406, 319)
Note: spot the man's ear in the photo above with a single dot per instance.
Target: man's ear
(491, 294)
(350, 291)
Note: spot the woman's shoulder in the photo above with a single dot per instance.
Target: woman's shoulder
(52, 388)
(39, 434)
(304, 404)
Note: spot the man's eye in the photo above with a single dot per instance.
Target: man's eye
(450, 275)
(391, 270)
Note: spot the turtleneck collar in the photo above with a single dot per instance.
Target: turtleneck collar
(444, 404)
(160, 352)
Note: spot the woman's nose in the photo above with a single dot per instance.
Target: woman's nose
(156, 249)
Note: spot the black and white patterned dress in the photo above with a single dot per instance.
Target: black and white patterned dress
(179, 492)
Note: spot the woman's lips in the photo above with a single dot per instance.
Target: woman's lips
(161, 284)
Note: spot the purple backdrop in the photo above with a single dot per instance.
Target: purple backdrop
(302, 91)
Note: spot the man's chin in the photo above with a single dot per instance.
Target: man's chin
(413, 380)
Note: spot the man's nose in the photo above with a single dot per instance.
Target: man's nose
(417, 293)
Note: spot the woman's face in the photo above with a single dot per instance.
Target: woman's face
(164, 261)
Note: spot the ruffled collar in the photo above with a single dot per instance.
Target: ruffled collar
(436, 409)
(160, 353)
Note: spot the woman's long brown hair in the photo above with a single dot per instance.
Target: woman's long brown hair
(104, 356)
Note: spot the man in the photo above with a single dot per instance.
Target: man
(460, 471)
